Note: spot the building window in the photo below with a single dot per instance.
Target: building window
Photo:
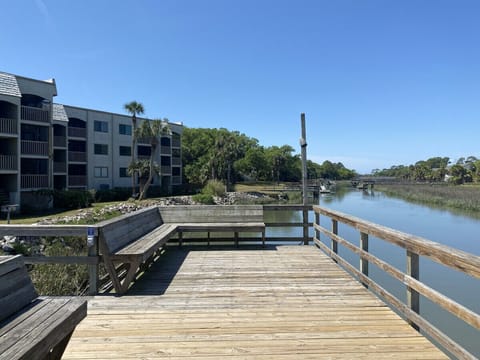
(101, 149)
(123, 172)
(124, 129)
(100, 126)
(125, 151)
(100, 171)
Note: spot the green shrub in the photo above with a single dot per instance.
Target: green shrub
(115, 194)
(72, 199)
(214, 188)
(205, 199)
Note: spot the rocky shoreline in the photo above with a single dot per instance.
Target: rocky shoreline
(11, 244)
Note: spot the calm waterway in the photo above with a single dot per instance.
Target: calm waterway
(445, 227)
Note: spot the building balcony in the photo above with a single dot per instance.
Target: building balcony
(77, 180)
(176, 180)
(60, 141)
(176, 161)
(8, 126)
(77, 132)
(35, 114)
(36, 181)
(166, 150)
(8, 162)
(166, 170)
(143, 157)
(59, 167)
(176, 143)
(29, 147)
(77, 156)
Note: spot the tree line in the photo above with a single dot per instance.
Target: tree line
(437, 169)
(230, 156)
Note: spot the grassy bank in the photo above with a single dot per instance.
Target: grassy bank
(462, 197)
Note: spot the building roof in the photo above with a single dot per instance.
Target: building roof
(9, 85)
(59, 113)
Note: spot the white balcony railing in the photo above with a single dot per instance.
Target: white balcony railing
(8, 162)
(8, 126)
(34, 114)
(34, 181)
(34, 147)
(176, 180)
(166, 170)
(77, 156)
(176, 161)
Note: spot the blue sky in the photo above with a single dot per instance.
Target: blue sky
(381, 82)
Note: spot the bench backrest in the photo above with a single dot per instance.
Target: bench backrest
(120, 231)
(16, 288)
(211, 213)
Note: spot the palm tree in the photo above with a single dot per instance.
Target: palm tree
(152, 130)
(134, 108)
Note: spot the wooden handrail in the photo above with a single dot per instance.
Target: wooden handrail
(415, 247)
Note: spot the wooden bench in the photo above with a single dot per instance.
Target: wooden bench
(33, 327)
(129, 241)
(215, 218)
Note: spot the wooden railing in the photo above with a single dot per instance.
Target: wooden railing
(29, 147)
(415, 247)
(8, 162)
(8, 126)
(77, 132)
(34, 181)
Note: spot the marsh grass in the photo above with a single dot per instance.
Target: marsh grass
(465, 198)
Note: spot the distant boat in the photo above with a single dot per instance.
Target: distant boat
(324, 190)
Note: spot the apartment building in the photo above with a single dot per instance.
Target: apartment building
(44, 145)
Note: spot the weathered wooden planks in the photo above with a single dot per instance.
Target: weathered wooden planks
(31, 327)
(288, 302)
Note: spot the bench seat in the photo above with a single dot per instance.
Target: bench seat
(33, 327)
(146, 245)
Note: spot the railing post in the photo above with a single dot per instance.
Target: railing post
(413, 297)
(305, 226)
(364, 247)
(333, 243)
(317, 221)
(92, 244)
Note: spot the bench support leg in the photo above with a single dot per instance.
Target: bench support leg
(180, 238)
(236, 238)
(208, 238)
(59, 349)
(263, 238)
(122, 287)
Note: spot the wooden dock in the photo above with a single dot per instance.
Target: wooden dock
(285, 302)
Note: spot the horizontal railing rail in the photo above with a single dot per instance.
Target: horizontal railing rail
(415, 248)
